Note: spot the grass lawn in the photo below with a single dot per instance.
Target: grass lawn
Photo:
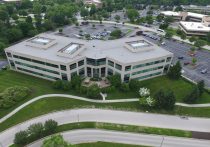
(180, 88)
(48, 105)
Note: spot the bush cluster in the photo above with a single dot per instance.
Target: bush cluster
(34, 132)
(12, 95)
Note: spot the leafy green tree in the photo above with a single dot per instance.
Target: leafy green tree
(168, 35)
(192, 96)
(192, 39)
(183, 36)
(116, 33)
(28, 20)
(36, 131)
(14, 34)
(4, 16)
(92, 10)
(163, 26)
(194, 60)
(84, 12)
(93, 91)
(115, 80)
(76, 81)
(25, 27)
(199, 43)
(50, 126)
(2, 47)
(165, 99)
(132, 14)
(168, 19)
(175, 71)
(160, 17)
(55, 141)
(201, 87)
(21, 138)
(117, 18)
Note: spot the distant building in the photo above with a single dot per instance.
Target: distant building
(97, 3)
(195, 8)
(55, 57)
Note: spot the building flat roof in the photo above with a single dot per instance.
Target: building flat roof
(170, 13)
(195, 26)
(197, 15)
(96, 49)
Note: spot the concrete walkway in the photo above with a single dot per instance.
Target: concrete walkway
(111, 116)
(95, 135)
(88, 100)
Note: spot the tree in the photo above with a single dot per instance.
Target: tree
(132, 14)
(168, 19)
(192, 96)
(28, 19)
(21, 138)
(84, 12)
(163, 26)
(175, 71)
(50, 126)
(117, 18)
(165, 99)
(183, 36)
(194, 60)
(4, 16)
(76, 81)
(92, 9)
(208, 37)
(93, 91)
(199, 43)
(192, 39)
(2, 47)
(201, 87)
(160, 17)
(116, 33)
(115, 80)
(36, 131)
(55, 141)
(168, 35)
(192, 49)
(14, 35)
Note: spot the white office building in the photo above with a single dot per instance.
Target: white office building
(55, 57)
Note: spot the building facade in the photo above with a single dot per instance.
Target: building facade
(55, 57)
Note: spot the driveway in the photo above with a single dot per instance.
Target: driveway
(93, 135)
(112, 116)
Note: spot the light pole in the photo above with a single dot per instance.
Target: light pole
(162, 142)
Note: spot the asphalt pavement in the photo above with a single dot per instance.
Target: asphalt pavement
(93, 135)
(112, 116)
(181, 50)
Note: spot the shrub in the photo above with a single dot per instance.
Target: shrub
(124, 87)
(21, 138)
(134, 85)
(175, 71)
(36, 131)
(116, 33)
(12, 95)
(115, 80)
(58, 84)
(93, 91)
(192, 96)
(50, 126)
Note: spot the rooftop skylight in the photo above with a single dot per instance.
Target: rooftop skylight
(41, 40)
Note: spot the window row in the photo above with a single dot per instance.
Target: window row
(148, 76)
(148, 64)
(147, 70)
(36, 61)
(36, 73)
(36, 67)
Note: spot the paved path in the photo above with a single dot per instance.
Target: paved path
(94, 135)
(112, 116)
(87, 100)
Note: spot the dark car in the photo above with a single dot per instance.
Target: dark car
(180, 57)
(186, 63)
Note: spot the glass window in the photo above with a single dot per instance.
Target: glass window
(63, 67)
(118, 66)
(9, 54)
(64, 76)
(110, 72)
(73, 66)
(73, 74)
(89, 72)
(96, 62)
(168, 59)
(110, 63)
(82, 72)
(128, 68)
(80, 63)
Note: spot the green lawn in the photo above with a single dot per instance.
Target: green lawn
(180, 88)
(48, 105)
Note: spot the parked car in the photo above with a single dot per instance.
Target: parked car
(203, 71)
(186, 63)
(180, 57)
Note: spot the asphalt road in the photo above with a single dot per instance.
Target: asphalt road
(181, 50)
(92, 135)
(3, 63)
(112, 116)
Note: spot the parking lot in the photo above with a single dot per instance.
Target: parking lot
(98, 31)
(181, 50)
(3, 63)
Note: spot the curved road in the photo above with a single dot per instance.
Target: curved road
(88, 100)
(94, 135)
(112, 116)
